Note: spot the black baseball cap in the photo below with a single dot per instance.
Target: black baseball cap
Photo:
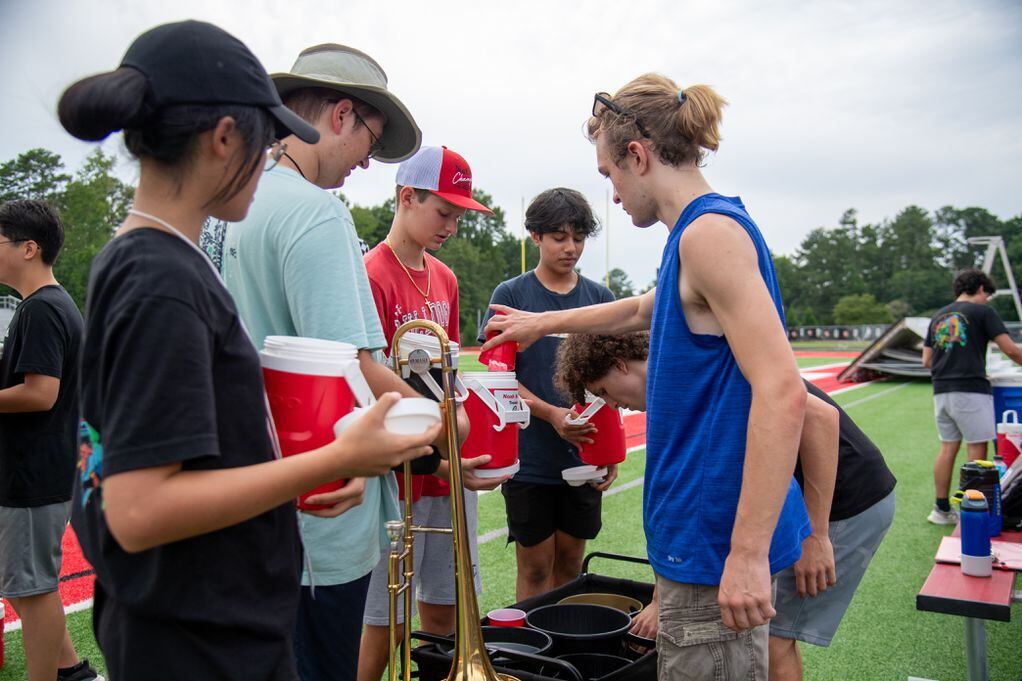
(193, 62)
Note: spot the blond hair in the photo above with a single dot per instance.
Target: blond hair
(681, 125)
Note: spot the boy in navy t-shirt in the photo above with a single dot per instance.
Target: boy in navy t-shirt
(38, 435)
(549, 520)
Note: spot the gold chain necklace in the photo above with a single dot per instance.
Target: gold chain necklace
(429, 274)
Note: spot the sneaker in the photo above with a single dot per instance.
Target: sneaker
(80, 672)
(939, 517)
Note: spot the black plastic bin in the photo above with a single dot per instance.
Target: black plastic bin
(433, 665)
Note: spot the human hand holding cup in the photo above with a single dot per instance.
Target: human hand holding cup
(371, 441)
(500, 356)
(508, 324)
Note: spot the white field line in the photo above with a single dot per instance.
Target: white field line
(823, 367)
(74, 607)
(875, 395)
(854, 387)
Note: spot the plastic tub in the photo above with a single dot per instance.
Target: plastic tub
(620, 602)
(580, 627)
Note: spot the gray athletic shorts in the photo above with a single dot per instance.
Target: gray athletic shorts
(965, 416)
(30, 553)
(815, 619)
(433, 560)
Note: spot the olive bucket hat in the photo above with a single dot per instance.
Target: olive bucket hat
(355, 73)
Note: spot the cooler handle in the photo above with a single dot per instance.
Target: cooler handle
(357, 384)
(587, 413)
(504, 417)
(1014, 416)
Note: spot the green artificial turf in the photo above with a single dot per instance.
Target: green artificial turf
(882, 636)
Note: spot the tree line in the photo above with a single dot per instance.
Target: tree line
(850, 273)
(855, 273)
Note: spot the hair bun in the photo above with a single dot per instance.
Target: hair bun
(96, 106)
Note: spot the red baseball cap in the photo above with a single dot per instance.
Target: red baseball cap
(442, 172)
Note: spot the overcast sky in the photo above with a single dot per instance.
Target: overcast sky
(867, 104)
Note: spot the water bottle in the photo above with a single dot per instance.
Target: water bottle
(999, 464)
(974, 518)
(982, 475)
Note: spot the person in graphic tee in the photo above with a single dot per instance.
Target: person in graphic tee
(849, 493)
(955, 350)
(725, 394)
(434, 190)
(549, 520)
(38, 436)
(181, 505)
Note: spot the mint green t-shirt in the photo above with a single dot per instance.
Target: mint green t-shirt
(295, 268)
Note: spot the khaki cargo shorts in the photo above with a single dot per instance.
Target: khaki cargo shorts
(693, 643)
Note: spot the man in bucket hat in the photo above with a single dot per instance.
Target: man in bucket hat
(294, 266)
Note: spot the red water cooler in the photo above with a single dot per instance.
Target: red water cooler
(496, 413)
(311, 384)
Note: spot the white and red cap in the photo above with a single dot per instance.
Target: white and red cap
(442, 172)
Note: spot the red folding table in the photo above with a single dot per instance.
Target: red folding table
(975, 599)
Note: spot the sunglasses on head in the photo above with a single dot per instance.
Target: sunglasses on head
(602, 102)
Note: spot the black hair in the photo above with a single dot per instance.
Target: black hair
(555, 208)
(25, 220)
(584, 358)
(94, 107)
(311, 102)
(970, 281)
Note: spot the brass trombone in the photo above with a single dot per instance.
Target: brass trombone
(470, 662)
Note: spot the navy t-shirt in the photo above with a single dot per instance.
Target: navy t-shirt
(959, 334)
(541, 451)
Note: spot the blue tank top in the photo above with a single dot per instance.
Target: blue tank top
(697, 414)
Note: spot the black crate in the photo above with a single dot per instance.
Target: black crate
(434, 665)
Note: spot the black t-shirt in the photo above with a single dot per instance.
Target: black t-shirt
(38, 449)
(170, 376)
(541, 451)
(959, 335)
(863, 477)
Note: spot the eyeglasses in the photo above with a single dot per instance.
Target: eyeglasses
(377, 146)
(602, 102)
(13, 241)
(274, 153)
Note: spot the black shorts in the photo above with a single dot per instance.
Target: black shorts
(534, 511)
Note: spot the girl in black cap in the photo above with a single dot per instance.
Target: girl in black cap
(181, 507)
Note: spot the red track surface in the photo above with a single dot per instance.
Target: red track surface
(77, 578)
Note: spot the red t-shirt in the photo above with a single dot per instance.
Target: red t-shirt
(398, 301)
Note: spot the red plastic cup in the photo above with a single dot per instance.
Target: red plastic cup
(499, 357)
(506, 617)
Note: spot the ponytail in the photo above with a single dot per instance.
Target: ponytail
(699, 115)
(94, 107)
